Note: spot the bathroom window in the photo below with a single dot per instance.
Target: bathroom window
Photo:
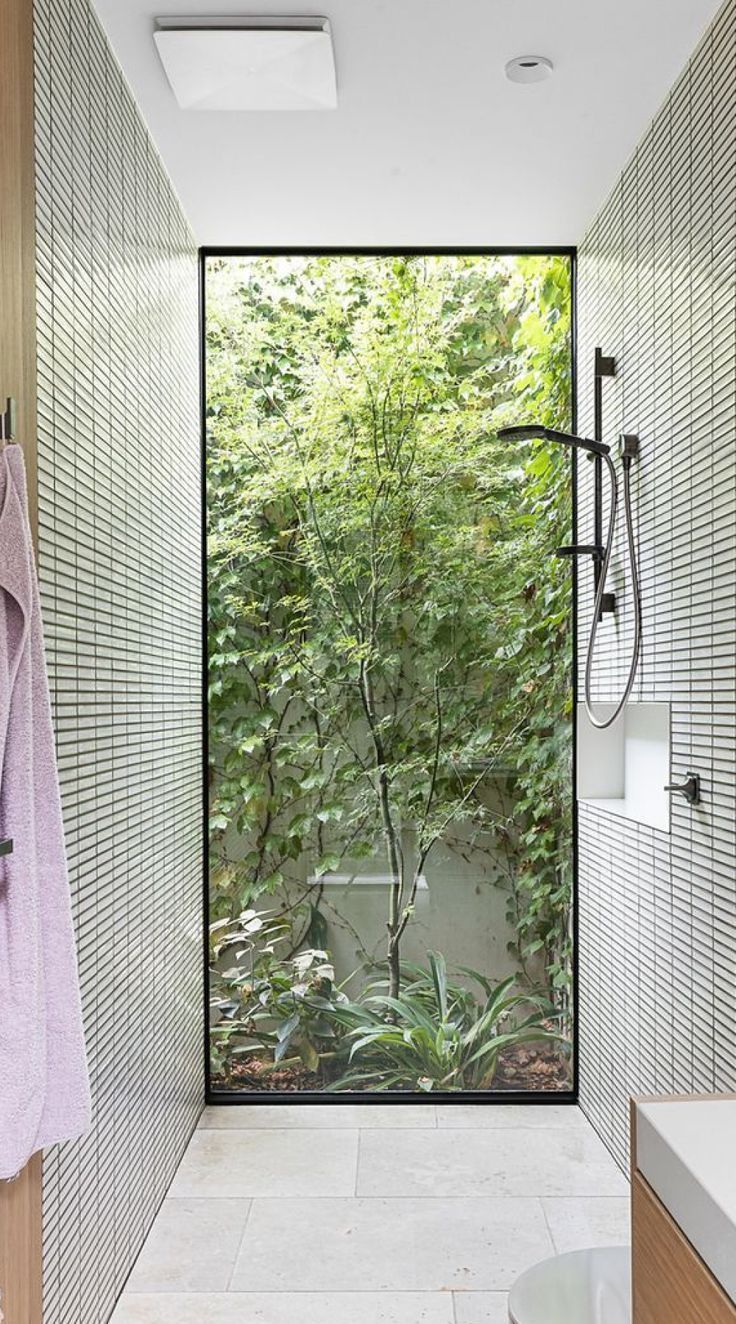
(389, 674)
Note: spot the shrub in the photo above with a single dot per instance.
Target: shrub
(281, 1006)
(436, 1035)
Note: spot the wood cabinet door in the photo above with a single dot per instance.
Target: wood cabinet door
(671, 1284)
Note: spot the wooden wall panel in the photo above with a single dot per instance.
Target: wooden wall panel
(20, 1246)
(20, 1200)
(17, 225)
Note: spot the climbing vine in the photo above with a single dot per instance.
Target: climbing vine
(389, 636)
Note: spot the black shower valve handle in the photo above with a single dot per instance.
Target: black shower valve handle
(690, 788)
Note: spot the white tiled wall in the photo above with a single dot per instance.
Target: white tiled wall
(657, 282)
(119, 569)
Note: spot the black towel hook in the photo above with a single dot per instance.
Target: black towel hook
(7, 421)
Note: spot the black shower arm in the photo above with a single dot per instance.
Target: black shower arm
(536, 431)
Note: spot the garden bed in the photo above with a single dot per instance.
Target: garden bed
(542, 1069)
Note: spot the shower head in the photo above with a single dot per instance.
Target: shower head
(535, 431)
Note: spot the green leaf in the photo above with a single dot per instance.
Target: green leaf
(327, 864)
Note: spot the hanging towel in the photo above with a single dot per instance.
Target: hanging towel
(44, 1087)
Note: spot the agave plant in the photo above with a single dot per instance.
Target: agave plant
(436, 1035)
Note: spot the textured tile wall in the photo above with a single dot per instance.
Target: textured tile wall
(119, 569)
(657, 282)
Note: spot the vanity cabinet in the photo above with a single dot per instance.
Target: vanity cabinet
(670, 1282)
(683, 1237)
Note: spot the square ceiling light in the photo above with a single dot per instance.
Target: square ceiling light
(249, 63)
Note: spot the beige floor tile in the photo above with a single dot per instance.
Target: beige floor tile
(481, 1308)
(268, 1163)
(487, 1162)
(576, 1224)
(448, 1210)
(306, 1116)
(484, 1116)
(389, 1245)
(191, 1247)
(287, 1308)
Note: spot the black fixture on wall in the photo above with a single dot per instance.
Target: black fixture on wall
(690, 788)
(595, 449)
(603, 366)
(500, 1098)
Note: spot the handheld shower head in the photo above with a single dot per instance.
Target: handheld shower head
(535, 431)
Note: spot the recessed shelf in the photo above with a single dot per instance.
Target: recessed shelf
(623, 770)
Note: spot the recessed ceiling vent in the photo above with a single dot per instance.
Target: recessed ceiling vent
(248, 63)
(529, 69)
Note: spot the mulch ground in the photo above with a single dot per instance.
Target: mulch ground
(540, 1069)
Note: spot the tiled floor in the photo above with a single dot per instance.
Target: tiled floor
(371, 1214)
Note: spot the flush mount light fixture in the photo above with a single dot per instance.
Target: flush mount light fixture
(248, 63)
(529, 69)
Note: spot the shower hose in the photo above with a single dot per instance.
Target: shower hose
(602, 723)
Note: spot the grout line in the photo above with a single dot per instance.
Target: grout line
(331, 1291)
(409, 1195)
(548, 1225)
(240, 1244)
(574, 1129)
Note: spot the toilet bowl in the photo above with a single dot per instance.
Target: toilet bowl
(582, 1287)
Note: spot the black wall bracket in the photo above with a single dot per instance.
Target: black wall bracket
(7, 421)
(603, 366)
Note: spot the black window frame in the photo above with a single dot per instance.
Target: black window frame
(500, 1098)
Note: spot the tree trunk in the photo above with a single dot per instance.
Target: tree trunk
(393, 954)
(393, 852)
(394, 965)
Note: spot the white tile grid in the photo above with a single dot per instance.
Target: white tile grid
(657, 289)
(118, 562)
(390, 1215)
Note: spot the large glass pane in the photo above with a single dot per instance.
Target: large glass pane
(390, 709)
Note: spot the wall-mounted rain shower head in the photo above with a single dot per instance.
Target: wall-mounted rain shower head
(536, 432)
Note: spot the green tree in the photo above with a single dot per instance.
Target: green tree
(386, 625)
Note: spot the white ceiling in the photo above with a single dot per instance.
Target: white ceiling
(430, 145)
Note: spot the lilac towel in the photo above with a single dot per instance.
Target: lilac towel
(44, 1087)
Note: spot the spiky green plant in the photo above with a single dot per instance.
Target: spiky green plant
(436, 1035)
